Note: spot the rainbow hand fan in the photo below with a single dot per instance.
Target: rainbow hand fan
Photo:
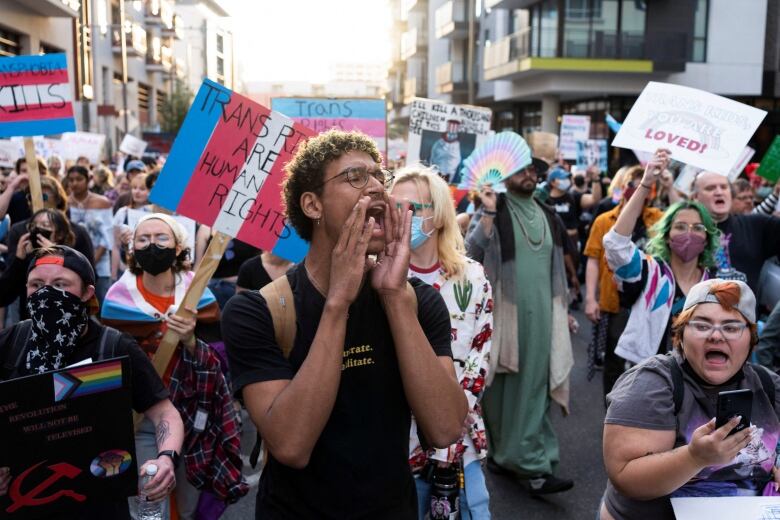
(500, 156)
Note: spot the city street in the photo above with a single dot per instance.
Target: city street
(580, 442)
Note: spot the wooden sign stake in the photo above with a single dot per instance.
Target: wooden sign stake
(36, 195)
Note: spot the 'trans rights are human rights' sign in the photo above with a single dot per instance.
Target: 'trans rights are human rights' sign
(699, 128)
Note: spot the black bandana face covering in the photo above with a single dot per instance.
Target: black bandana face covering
(155, 259)
(58, 320)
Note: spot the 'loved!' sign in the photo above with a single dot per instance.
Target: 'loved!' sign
(699, 128)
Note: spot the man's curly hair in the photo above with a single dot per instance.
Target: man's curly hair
(307, 168)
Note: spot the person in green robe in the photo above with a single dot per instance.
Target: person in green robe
(523, 244)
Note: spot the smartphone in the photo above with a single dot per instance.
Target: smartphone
(733, 403)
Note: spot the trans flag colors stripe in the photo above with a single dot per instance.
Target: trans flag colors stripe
(225, 170)
(35, 97)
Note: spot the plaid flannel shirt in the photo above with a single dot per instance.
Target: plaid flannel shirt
(212, 449)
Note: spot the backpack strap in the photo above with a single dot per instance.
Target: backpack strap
(279, 298)
(678, 388)
(18, 348)
(766, 381)
(109, 340)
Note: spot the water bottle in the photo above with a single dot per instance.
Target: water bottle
(445, 494)
(148, 510)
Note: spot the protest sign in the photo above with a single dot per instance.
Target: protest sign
(320, 114)
(35, 97)
(67, 439)
(573, 129)
(443, 135)
(592, 152)
(700, 128)
(225, 171)
(44, 146)
(9, 153)
(684, 181)
(770, 163)
(226, 167)
(544, 145)
(131, 145)
(73, 145)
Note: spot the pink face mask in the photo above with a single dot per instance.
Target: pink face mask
(687, 245)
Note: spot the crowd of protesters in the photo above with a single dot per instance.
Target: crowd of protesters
(421, 344)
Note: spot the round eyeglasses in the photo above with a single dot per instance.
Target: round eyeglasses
(358, 176)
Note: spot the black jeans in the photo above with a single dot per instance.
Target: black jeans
(614, 365)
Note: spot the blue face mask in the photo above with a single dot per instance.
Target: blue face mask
(418, 235)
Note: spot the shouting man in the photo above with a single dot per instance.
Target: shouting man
(334, 411)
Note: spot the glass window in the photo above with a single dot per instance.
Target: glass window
(632, 30)
(10, 43)
(548, 35)
(700, 32)
(591, 29)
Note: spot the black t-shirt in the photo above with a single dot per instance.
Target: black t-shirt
(359, 467)
(147, 390)
(235, 255)
(749, 240)
(252, 275)
(566, 208)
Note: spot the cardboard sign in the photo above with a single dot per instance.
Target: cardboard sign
(320, 114)
(592, 152)
(82, 144)
(443, 135)
(700, 128)
(226, 168)
(131, 145)
(544, 145)
(68, 439)
(9, 153)
(35, 96)
(573, 129)
(770, 163)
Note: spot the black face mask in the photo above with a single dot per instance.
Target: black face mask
(155, 259)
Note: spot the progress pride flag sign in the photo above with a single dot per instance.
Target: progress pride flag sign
(35, 96)
(226, 168)
(699, 128)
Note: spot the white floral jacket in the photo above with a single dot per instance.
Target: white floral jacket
(470, 302)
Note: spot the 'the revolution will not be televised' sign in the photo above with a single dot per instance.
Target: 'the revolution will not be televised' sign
(699, 128)
(226, 168)
(35, 96)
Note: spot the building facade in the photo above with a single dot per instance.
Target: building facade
(535, 60)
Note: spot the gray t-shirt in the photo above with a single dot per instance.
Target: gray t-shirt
(643, 398)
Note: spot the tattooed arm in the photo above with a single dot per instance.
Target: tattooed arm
(169, 434)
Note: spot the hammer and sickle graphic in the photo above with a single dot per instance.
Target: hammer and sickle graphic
(32, 498)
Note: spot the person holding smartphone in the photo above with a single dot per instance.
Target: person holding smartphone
(660, 434)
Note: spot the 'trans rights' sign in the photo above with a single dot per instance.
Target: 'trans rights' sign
(700, 128)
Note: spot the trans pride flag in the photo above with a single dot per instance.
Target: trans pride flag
(225, 170)
(35, 97)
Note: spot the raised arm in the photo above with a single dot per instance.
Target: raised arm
(7, 195)
(633, 208)
(588, 200)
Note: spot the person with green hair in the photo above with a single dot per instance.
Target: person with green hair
(654, 283)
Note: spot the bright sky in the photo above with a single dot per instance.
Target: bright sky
(298, 40)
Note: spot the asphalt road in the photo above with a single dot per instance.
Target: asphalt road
(579, 435)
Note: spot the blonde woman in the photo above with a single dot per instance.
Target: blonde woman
(438, 258)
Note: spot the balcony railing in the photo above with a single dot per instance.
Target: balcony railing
(509, 48)
(450, 20)
(449, 77)
(413, 41)
(174, 28)
(135, 39)
(414, 87)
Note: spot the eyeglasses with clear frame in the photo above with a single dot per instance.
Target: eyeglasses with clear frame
(358, 176)
(730, 331)
(684, 227)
